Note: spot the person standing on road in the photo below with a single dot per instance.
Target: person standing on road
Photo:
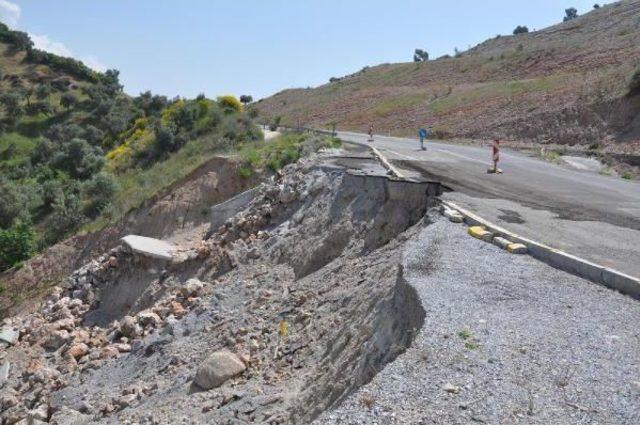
(423, 134)
(371, 133)
(495, 147)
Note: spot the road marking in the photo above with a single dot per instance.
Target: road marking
(461, 156)
(437, 150)
(402, 155)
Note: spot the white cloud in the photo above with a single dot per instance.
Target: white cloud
(9, 13)
(94, 63)
(43, 42)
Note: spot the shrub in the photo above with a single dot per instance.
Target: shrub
(18, 39)
(68, 100)
(43, 91)
(99, 191)
(570, 14)
(634, 82)
(420, 55)
(230, 104)
(63, 64)
(520, 29)
(16, 244)
(39, 108)
(275, 123)
(11, 103)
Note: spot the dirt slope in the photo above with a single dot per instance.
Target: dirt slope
(565, 84)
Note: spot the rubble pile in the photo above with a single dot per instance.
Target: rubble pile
(280, 313)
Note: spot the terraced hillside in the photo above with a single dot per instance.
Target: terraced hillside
(566, 84)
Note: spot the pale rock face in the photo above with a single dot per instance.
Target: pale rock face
(218, 368)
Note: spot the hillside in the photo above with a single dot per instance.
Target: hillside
(566, 84)
(76, 152)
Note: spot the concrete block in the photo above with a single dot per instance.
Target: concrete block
(8, 335)
(517, 248)
(479, 232)
(149, 247)
(453, 216)
(501, 242)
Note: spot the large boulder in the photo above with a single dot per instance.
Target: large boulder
(130, 328)
(218, 368)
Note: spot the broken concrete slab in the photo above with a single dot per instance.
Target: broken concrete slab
(149, 247)
(8, 335)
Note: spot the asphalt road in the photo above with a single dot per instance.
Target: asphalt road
(596, 217)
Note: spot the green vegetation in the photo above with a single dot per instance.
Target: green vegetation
(520, 29)
(626, 175)
(570, 14)
(75, 151)
(420, 55)
(470, 343)
(230, 103)
(283, 150)
(16, 244)
(464, 334)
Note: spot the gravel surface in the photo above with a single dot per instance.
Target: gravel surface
(506, 339)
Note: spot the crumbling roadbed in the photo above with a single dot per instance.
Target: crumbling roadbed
(288, 307)
(506, 339)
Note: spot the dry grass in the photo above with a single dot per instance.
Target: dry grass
(557, 78)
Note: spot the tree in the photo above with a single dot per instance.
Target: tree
(571, 13)
(79, 159)
(68, 100)
(14, 201)
(596, 6)
(520, 29)
(420, 55)
(165, 140)
(246, 99)
(111, 81)
(99, 191)
(16, 244)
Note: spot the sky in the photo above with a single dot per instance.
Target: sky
(259, 47)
